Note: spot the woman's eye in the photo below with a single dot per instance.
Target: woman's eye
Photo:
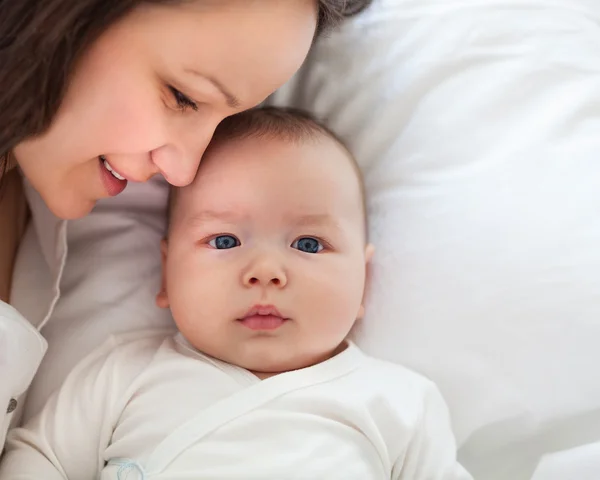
(308, 245)
(224, 242)
(183, 101)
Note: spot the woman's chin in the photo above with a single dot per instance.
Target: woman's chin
(69, 210)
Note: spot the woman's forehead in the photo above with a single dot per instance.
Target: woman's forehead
(249, 47)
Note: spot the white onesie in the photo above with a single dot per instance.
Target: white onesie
(155, 408)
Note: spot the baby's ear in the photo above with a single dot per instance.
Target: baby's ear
(369, 252)
(162, 299)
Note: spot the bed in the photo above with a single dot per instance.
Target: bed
(477, 126)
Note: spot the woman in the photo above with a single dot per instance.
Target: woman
(96, 93)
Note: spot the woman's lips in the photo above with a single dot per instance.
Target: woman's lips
(112, 184)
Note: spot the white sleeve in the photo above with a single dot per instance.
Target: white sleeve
(431, 454)
(21, 351)
(67, 439)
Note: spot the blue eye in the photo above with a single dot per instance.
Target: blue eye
(308, 245)
(224, 242)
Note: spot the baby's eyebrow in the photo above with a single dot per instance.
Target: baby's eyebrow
(205, 216)
(234, 217)
(315, 220)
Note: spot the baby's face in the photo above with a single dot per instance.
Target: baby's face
(266, 259)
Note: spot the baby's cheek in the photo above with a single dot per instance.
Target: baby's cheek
(185, 289)
(340, 304)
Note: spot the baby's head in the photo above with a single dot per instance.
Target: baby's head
(265, 262)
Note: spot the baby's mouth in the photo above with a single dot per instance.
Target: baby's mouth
(263, 317)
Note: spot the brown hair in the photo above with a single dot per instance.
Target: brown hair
(41, 41)
(289, 124)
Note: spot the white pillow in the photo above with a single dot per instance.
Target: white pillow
(476, 124)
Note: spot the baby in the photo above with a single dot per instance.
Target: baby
(264, 270)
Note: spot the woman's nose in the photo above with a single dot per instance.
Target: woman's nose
(178, 161)
(178, 168)
(265, 272)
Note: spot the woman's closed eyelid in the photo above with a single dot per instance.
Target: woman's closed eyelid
(183, 101)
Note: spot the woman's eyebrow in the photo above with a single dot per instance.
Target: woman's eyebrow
(232, 101)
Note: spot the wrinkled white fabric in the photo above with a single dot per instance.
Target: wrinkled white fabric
(155, 408)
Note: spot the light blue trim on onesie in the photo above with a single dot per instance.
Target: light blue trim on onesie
(127, 466)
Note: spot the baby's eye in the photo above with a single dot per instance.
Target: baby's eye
(308, 245)
(224, 242)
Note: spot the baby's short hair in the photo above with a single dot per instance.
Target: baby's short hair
(285, 123)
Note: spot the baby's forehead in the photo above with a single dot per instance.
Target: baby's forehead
(283, 155)
(244, 163)
(318, 162)
(300, 184)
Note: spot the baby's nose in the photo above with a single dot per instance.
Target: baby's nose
(266, 272)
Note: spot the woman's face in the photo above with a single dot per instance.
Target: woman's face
(149, 93)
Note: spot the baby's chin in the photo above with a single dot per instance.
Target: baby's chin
(265, 364)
